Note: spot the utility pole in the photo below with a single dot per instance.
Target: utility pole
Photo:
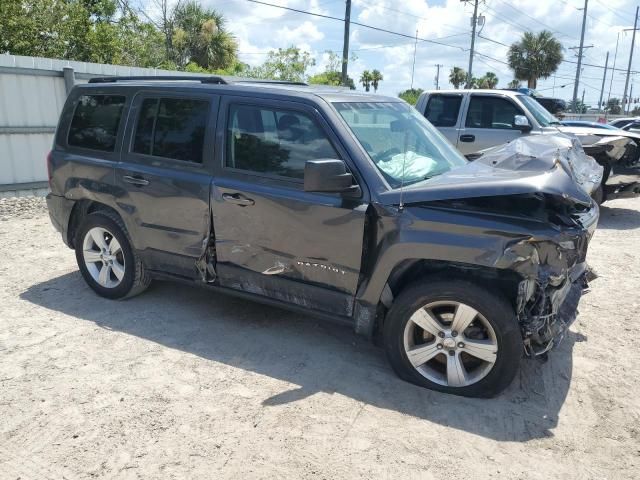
(345, 47)
(474, 22)
(633, 40)
(604, 79)
(575, 86)
(582, 100)
(438, 65)
(613, 72)
(630, 99)
(413, 68)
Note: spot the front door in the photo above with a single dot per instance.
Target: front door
(165, 177)
(272, 237)
(489, 121)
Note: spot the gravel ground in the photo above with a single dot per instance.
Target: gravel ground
(184, 383)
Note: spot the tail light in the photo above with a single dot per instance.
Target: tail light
(49, 168)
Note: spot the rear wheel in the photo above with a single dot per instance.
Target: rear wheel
(455, 337)
(106, 259)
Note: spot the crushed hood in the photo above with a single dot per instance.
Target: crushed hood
(550, 164)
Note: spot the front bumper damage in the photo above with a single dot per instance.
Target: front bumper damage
(555, 275)
(546, 311)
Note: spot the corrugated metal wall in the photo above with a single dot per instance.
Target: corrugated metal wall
(32, 94)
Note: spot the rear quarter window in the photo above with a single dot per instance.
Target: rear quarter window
(95, 122)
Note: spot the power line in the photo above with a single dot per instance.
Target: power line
(364, 25)
(535, 19)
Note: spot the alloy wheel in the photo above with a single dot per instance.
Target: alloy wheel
(103, 257)
(450, 343)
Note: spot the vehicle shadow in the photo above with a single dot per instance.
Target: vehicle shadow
(612, 218)
(311, 354)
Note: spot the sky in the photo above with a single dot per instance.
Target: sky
(260, 28)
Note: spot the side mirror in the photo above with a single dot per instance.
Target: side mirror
(520, 122)
(328, 176)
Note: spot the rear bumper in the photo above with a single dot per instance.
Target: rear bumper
(59, 212)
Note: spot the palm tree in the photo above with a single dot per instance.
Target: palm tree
(535, 56)
(376, 78)
(199, 36)
(457, 77)
(514, 84)
(366, 79)
(490, 80)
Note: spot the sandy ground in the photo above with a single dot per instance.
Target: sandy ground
(183, 383)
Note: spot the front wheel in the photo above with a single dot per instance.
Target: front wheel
(454, 337)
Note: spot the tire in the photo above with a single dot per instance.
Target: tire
(125, 273)
(493, 327)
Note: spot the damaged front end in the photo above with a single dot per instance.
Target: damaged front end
(555, 275)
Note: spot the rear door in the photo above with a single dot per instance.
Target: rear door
(164, 177)
(443, 110)
(272, 237)
(488, 121)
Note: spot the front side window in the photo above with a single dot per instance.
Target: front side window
(541, 114)
(404, 146)
(274, 141)
(491, 112)
(95, 122)
(172, 128)
(442, 110)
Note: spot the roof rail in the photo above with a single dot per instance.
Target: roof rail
(161, 78)
(275, 82)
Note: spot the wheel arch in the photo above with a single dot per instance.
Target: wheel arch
(410, 271)
(80, 210)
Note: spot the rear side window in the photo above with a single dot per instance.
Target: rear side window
(442, 110)
(274, 141)
(95, 122)
(172, 128)
(491, 112)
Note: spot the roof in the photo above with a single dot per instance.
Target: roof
(244, 85)
(477, 90)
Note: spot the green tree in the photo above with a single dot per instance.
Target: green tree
(457, 77)
(365, 80)
(411, 95)
(490, 80)
(535, 56)
(514, 84)
(376, 78)
(579, 107)
(83, 30)
(289, 64)
(332, 74)
(613, 106)
(199, 36)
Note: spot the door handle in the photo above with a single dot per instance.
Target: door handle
(137, 181)
(237, 199)
(467, 138)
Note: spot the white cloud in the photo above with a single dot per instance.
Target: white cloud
(260, 28)
(305, 33)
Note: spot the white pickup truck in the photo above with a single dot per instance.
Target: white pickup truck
(475, 120)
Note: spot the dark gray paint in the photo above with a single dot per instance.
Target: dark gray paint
(329, 254)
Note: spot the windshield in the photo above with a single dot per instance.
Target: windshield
(402, 144)
(541, 114)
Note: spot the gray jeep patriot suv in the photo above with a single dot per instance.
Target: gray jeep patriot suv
(347, 206)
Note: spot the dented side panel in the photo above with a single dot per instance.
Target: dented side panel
(288, 243)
